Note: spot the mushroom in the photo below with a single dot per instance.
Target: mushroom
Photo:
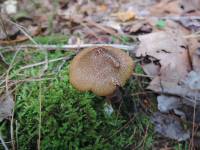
(100, 70)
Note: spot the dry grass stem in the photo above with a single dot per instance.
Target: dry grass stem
(67, 47)
(3, 143)
(43, 62)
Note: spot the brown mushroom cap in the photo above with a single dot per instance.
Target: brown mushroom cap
(100, 70)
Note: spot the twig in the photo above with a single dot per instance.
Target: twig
(143, 140)
(3, 143)
(120, 129)
(26, 80)
(3, 60)
(68, 47)
(3, 27)
(40, 116)
(16, 133)
(175, 18)
(11, 130)
(91, 22)
(43, 62)
(193, 124)
(25, 32)
(142, 93)
(142, 75)
(7, 73)
(193, 35)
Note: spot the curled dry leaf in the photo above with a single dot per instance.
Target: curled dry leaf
(169, 48)
(173, 77)
(12, 33)
(20, 37)
(125, 16)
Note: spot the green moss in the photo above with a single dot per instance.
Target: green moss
(70, 119)
(52, 39)
(138, 69)
(161, 24)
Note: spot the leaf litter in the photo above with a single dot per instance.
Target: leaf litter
(6, 106)
(174, 75)
(173, 59)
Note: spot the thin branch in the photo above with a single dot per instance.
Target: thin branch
(120, 129)
(25, 32)
(68, 47)
(175, 18)
(8, 72)
(43, 62)
(193, 123)
(12, 130)
(142, 75)
(3, 143)
(14, 82)
(40, 116)
(193, 35)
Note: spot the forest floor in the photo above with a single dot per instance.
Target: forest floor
(40, 109)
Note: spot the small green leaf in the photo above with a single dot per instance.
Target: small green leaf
(161, 24)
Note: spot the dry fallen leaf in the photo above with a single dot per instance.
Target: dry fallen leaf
(125, 16)
(160, 85)
(196, 60)
(168, 103)
(166, 7)
(169, 126)
(103, 8)
(169, 48)
(33, 31)
(6, 106)
(190, 5)
(191, 21)
(192, 81)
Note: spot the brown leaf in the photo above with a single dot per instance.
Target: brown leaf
(170, 49)
(125, 16)
(166, 7)
(34, 30)
(167, 47)
(103, 8)
(190, 5)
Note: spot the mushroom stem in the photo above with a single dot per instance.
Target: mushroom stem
(117, 102)
(116, 97)
(125, 107)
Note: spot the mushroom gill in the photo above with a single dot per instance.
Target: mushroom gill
(100, 70)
